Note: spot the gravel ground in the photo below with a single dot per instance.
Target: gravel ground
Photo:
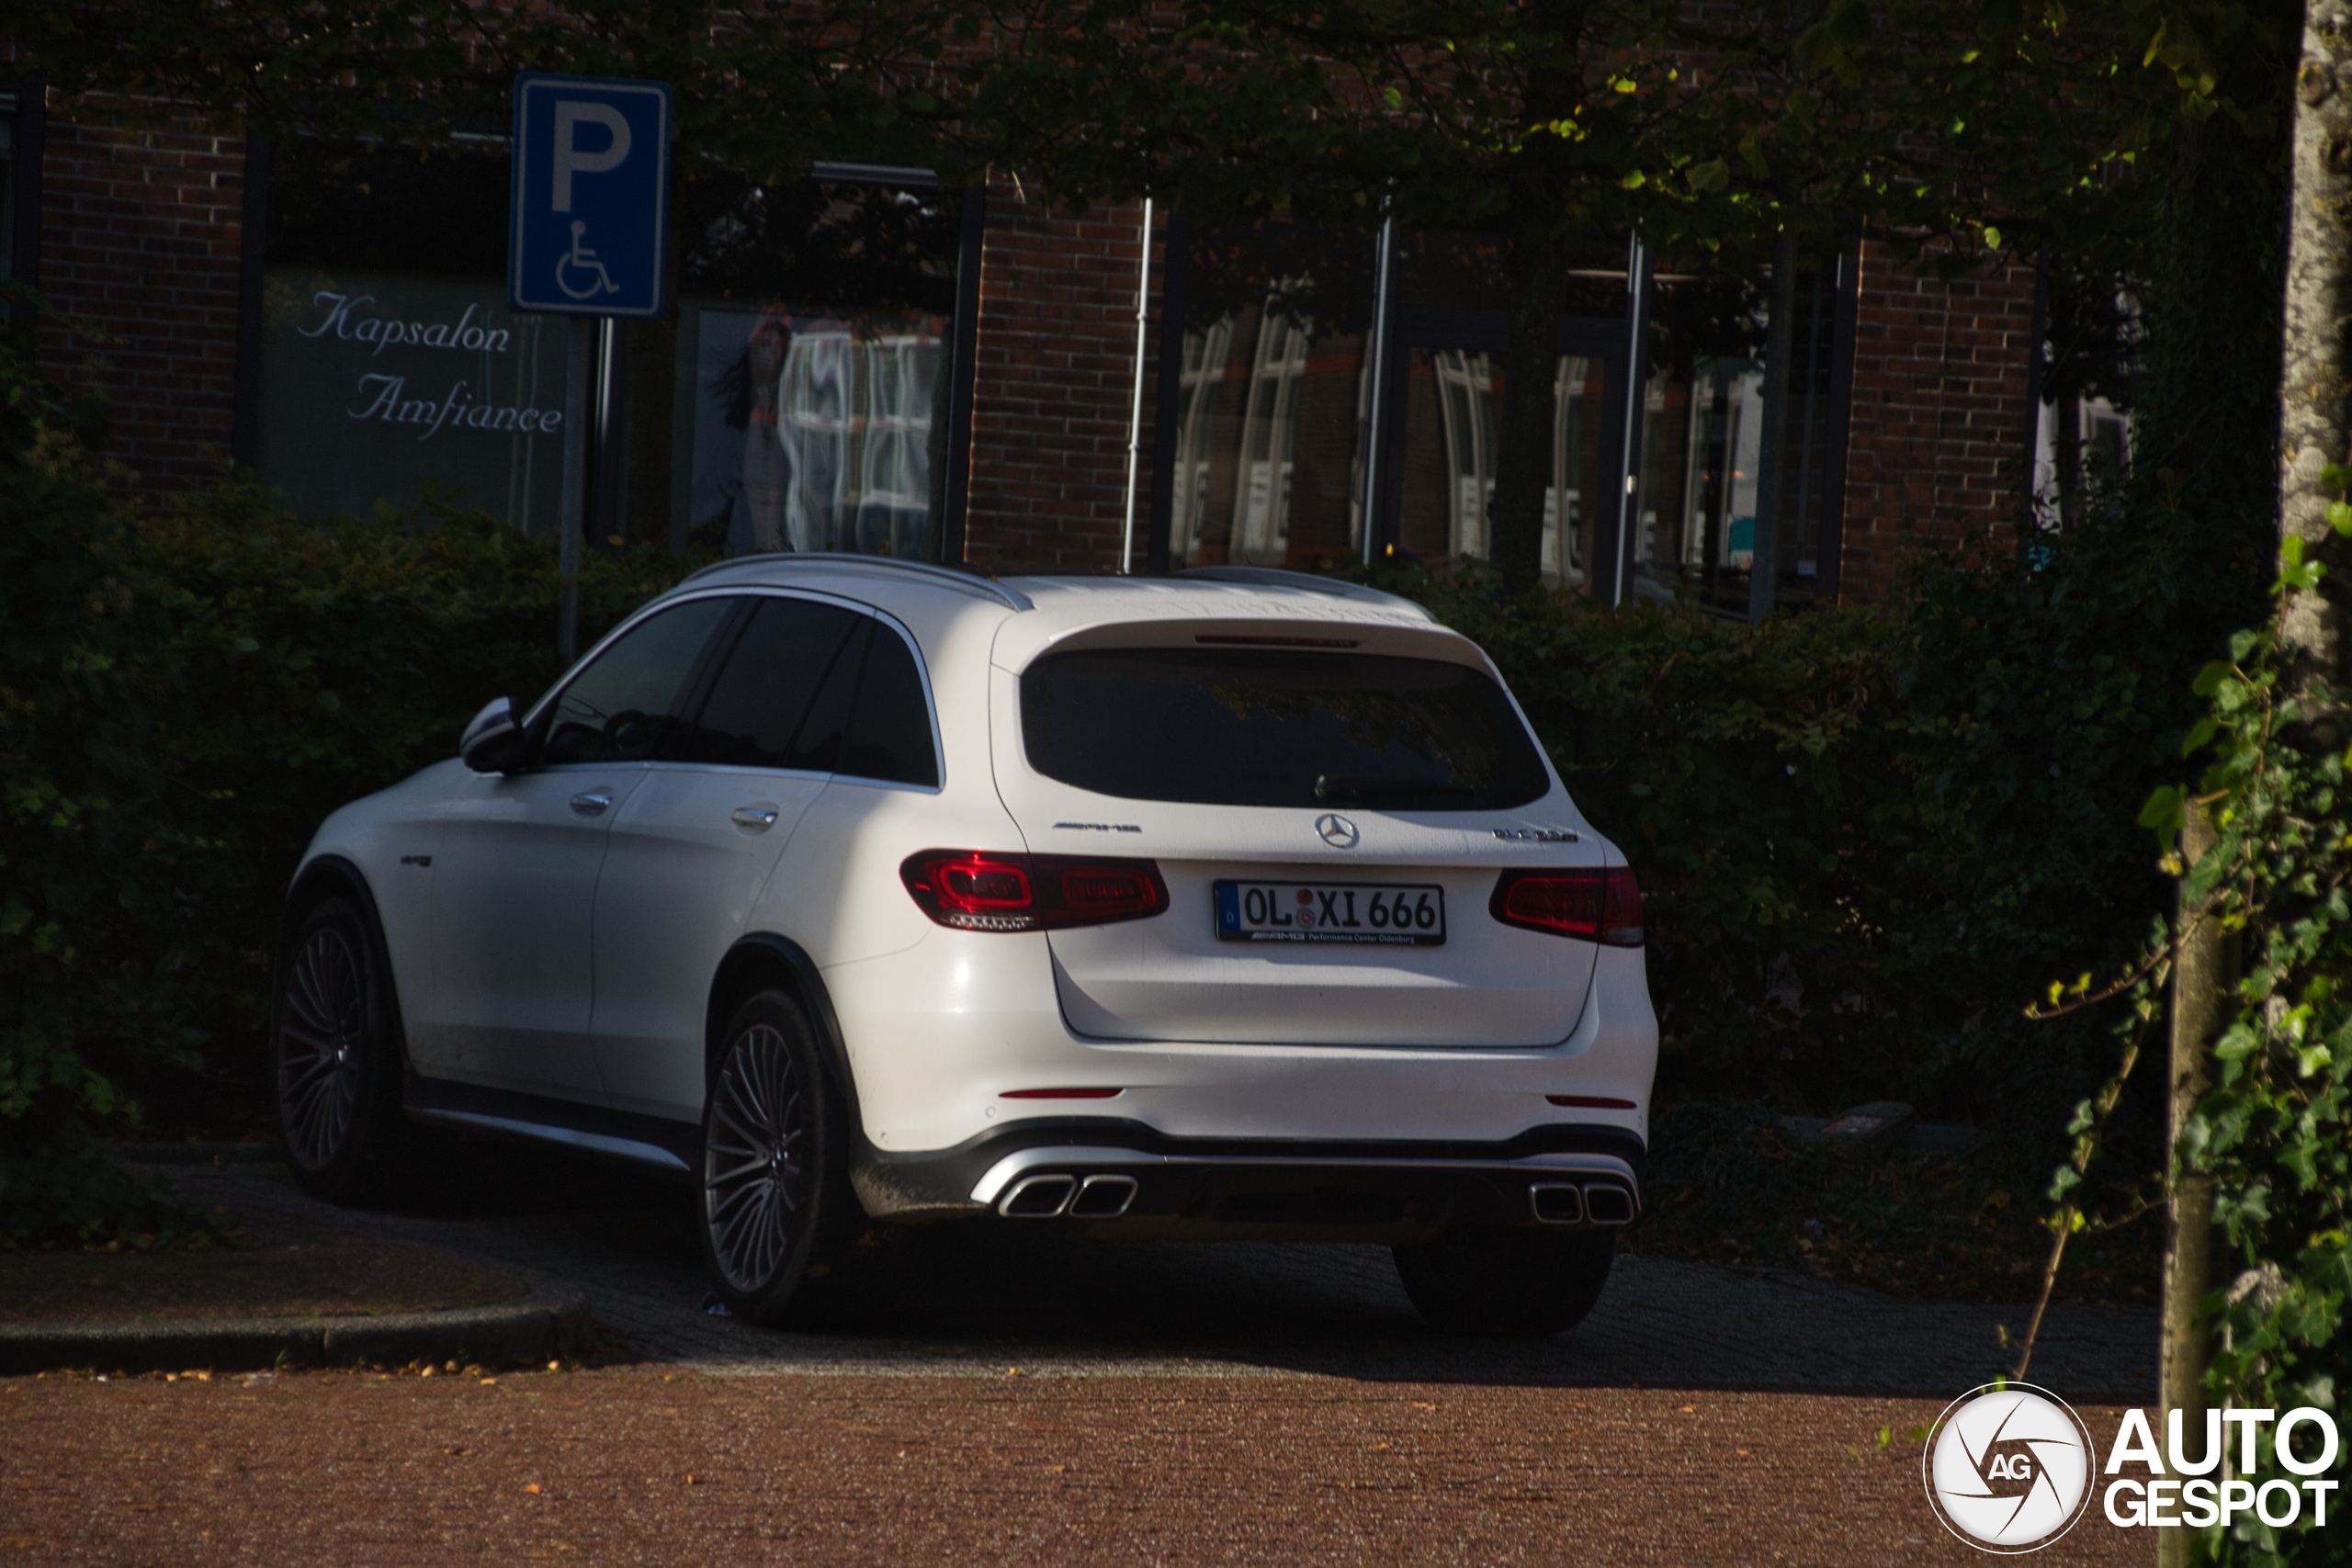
(994, 1293)
(652, 1464)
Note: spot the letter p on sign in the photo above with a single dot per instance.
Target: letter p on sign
(569, 159)
(589, 206)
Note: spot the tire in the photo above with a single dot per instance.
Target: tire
(1507, 1281)
(785, 1240)
(335, 1058)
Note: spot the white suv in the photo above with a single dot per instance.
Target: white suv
(1235, 904)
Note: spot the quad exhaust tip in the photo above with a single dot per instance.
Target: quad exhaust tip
(1594, 1202)
(1054, 1196)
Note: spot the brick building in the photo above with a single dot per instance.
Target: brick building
(867, 362)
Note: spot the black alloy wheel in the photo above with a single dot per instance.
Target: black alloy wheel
(336, 1055)
(783, 1234)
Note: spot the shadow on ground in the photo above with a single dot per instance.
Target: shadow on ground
(980, 1298)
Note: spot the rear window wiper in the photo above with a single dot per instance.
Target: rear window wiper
(1330, 787)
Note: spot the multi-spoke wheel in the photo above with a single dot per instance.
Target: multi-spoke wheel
(782, 1231)
(336, 1058)
(758, 1185)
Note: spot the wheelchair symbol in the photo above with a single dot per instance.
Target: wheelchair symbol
(583, 260)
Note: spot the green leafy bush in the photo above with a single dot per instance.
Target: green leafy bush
(1866, 836)
(183, 697)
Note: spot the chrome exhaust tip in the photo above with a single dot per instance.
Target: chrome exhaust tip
(1103, 1198)
(1556, 1203)
(1606, 1204)
(1038, 1197)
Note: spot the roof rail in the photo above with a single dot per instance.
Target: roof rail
(868, 566)
(1312, 582)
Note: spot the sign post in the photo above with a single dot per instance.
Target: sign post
(587, 224)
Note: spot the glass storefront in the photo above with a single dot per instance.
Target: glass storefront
(1267, 467)
(798, 397)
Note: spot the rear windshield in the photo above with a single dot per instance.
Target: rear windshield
(1234, 726)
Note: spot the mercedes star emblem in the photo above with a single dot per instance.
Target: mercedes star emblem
(1336, 830)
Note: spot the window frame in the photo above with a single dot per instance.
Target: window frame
(705, 675)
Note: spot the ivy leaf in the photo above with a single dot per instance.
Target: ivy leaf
(1753, 151)
(2198, 734)
(2339, 518)
(2334, 476)
(1711, 175)
(2164, 814)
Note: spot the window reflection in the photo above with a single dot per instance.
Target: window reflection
(1271, 397)
(812, 368)
(1451, 458)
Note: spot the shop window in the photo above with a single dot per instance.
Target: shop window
(1450, 456)
(814, 340)
(390, 366)
(1266, 450)
(796, 398)
(1697, 497)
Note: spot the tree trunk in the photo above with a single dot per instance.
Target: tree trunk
(2200, 979)
(1780, 344)
(2312, 382)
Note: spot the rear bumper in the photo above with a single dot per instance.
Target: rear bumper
(1112, 1177)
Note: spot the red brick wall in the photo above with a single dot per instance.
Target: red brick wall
(142, 232)
(1936, 448)
(1055, 385)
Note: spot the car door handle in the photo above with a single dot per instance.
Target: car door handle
(592, 802)
(758, 818)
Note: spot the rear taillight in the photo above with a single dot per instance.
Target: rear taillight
(976, 891)
(1602, 905)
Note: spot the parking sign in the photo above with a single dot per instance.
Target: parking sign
(591, 196)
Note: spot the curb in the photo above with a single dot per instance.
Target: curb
(547, 1323)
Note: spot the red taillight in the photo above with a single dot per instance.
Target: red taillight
(976, 891)
(1598, 903)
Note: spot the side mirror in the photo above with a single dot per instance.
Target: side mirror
(493, 741)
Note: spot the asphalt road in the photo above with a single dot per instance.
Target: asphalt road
(1040, 1404)
(984, 1297)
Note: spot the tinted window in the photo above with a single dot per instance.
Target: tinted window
(756, 705)
(817, 747)
(1229, 727)
(890, 727)
(621, 707)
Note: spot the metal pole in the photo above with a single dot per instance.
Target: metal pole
(1375, 387)
(1637, 328)
(575, 484)
(1780, 329)
(1135, 415)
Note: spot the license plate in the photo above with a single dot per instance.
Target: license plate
(1370, 914)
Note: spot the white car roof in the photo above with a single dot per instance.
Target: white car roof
(1034, 612)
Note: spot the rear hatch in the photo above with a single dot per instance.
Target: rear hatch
(1330, 808)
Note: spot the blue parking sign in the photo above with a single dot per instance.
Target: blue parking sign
(591, 196)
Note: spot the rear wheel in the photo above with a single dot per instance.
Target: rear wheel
(336, 1058)
(1507, 1281)
(784, 1236)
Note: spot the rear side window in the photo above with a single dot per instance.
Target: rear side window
(622, 707)
(889, 726)
(768, 684)
(1232, 726)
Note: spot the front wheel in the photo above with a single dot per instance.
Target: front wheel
(335, 1053)
(782, 1233)
(1507, 1281)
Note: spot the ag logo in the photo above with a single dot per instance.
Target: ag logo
(2008, 1468)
